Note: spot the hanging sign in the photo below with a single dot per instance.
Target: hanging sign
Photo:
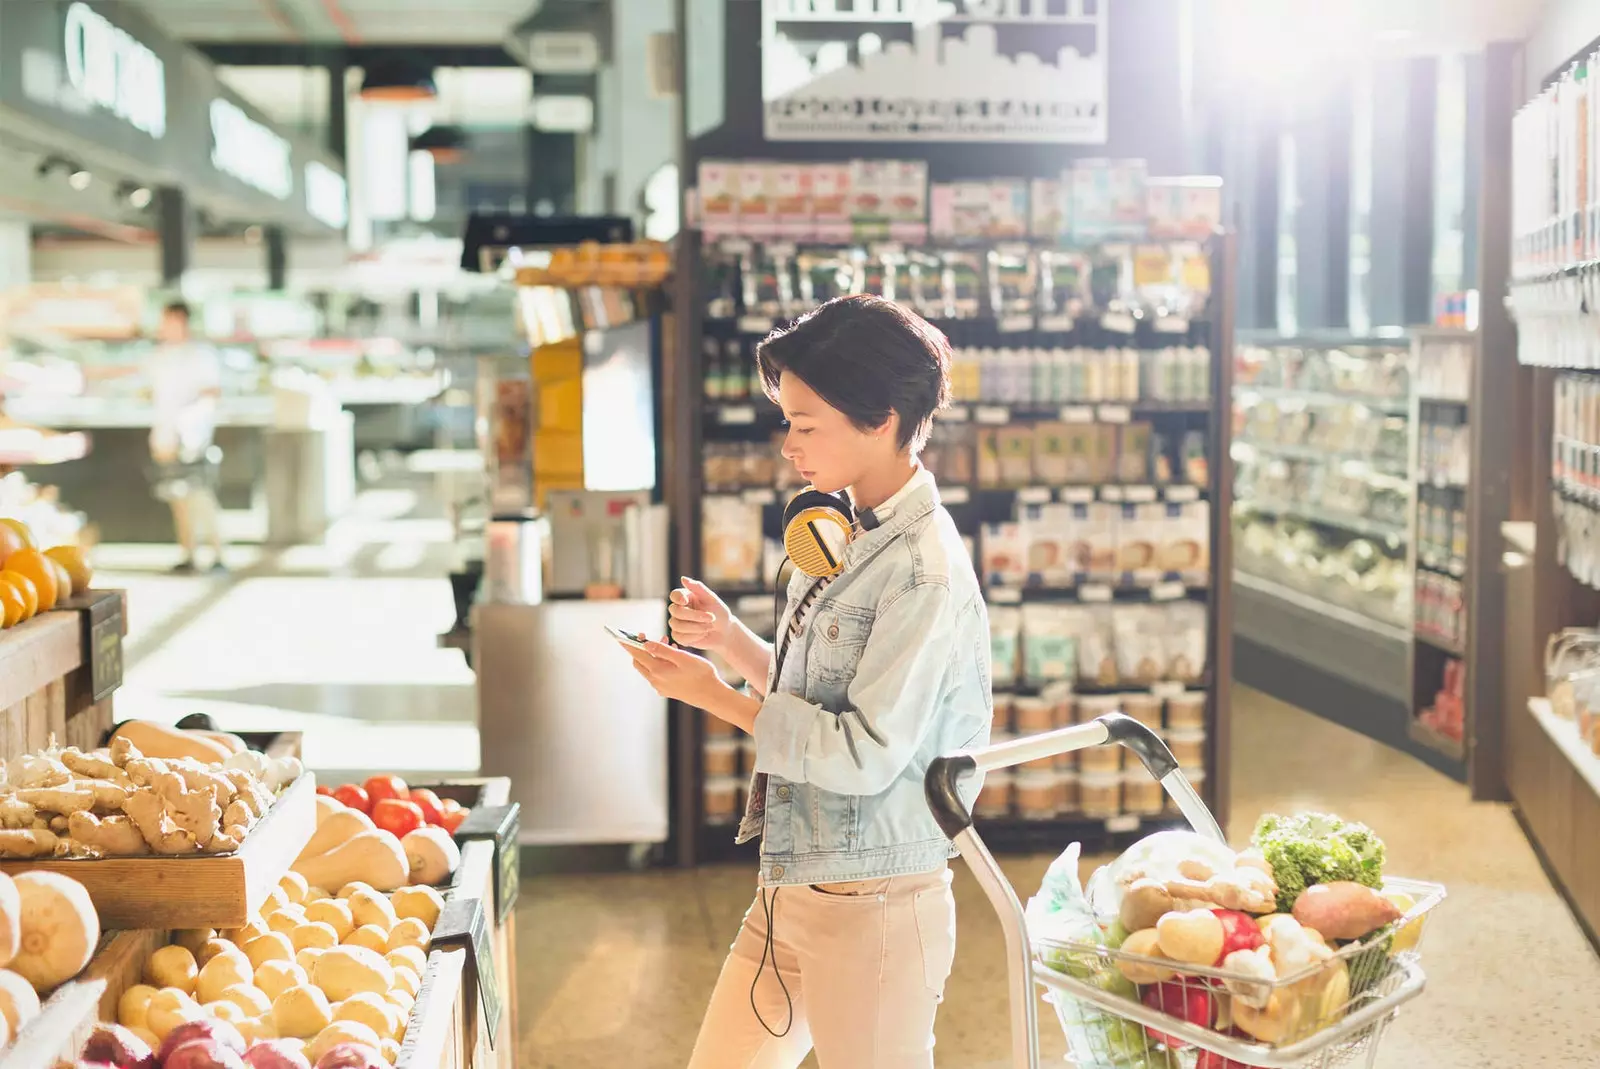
(935, 70)
(250, 151)
(111, 70)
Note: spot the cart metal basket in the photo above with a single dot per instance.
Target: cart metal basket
(1331, 1012)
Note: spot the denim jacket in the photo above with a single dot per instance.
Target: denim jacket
(890, 670)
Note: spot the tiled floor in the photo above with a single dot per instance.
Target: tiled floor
(615, 969)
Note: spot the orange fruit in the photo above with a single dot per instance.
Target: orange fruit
(11, 541)
(25, 589)
(76, 562)
(64, 587)
(38, 567)
(13, 608)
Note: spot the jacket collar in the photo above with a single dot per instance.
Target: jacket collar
(918, 497)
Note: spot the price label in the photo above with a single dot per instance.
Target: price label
(780, 248)
(1056, 324)
(1005, 595)
(1077, 414)
(1034, 495)
(1183, 493)
(1139, 494)
(1117, 322)
(1094, 592)
(954, 414)
(760, 496)
(1166, 690)
(955, 495)
(1111, 493)
(1172, 325)
(755, 324)
(736, 415)
(736, 246)
(1115, 414)
(1167, 592)
(1127, 822)
(1016, 324)
(1077, 495)
(992, 415)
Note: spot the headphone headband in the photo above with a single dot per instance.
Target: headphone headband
(816, 529)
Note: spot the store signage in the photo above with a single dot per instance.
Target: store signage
(563, 52)
(563, 114)
(111, 70)
(250, 151)
(935, 70)
(327, 197)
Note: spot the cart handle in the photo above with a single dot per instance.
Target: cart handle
(954, 818)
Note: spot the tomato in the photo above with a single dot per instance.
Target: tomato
(323, 788)
(432, 808)
(451, 819)
(381, 787)
(353, 796)
(1183, 999)
(397, 816)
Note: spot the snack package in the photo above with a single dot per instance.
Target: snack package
(1184, 536)
(1005, 633)
(1016, 455)
(731, 542)
(1140, 649)
(1004, 552)
(1097, 662)
(719, 197)
(1051, 464)
(1100, 538)
(758, 216)
(1138, 528)
(1050, 650)
(1185, 628)
(988, 449)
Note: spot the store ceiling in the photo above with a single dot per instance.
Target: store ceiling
(1394, 27)
(350, 22)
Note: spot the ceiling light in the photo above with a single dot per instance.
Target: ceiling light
(79, 179)
(446, 144)
(140, 197)
(400, 81)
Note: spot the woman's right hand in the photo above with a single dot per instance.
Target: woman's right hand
(698, 618)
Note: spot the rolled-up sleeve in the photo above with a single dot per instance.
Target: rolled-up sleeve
(891, 703)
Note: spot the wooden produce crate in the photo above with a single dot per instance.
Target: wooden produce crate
(220, 891)
(482, 876)
(57, 672)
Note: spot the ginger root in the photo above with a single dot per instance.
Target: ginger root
(37, 770)
(91, 765)
(237, 814)
(107, 837)
(18, 843)
(15, 813)
(197, 777)
(195, 811)
(63, 800)
(148, 814)
(144, 771)
(123, 751)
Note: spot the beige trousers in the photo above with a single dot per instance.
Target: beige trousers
(864, 972)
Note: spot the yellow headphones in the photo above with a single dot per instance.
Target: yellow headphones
(816, 529)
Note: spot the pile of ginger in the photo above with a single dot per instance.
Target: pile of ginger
(116, 802)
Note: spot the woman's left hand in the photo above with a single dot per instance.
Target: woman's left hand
(679, 675)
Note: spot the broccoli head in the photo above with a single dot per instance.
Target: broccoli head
(1312, 848)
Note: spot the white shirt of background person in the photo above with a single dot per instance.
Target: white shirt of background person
(185, 380)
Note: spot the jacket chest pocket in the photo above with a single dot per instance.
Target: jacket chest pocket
(838, 638)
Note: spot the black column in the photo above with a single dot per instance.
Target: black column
(1322, 221)
(338, 115)
(1404, 95)
(277, 244)
(177, 231)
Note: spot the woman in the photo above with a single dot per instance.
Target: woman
(876, 672)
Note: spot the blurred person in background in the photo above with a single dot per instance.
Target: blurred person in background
(185, 383)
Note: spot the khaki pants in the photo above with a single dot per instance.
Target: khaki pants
(865, 972)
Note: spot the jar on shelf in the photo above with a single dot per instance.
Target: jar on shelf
(1141, 794)
(1100, 794)
(1100, 759)
(1067, 792)
(1036, 795)
(716, 727)
(1032, 716)
(1091, 706)
(1187, 711)
(996, 797)
(722, 799)
(1145, 708)
(1188, 746)
(1063, 709)
(722, 757)
(1002, 713)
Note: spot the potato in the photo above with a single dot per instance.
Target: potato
(340, 1032)
(413, 957)
(307, 958)
(317, 935)
(169, 1008)
(221, 973)
(293, 885)
(286, 920)
(369, 907)
(390, 1050)
(274, 977)
(172, 966)
(335, 914)
(253, 928)
(133, 1004)
(1344, 910)
(370, 936)
(256, 1029)
(301, 1012)
(349, 970)
(352, 887)
(231, 1012)
(408, 981)
(371, 1010)
(410, 932)
(194, 939)
(1145, 944)
(423, 903)
(1192, 936)
(212, 948)
(277, 899)
(315, 894)
(249, 998)
(274, 946)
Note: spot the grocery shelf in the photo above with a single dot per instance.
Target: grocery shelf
(1335, 639)
(1454, 749)
(1315, 514)
(1441, 644)
(1564, 733)
(1395, 466)
(1393, 406)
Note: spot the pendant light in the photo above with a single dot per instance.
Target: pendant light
(404, 81)
(446, 143)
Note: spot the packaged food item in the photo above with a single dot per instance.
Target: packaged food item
(830, 201)
(731, 540)
(1005, 628)
(995, 799)
(758, 217)
(719, 197)
(871, 190)
(1051, 464)
(1036, 795)
(1046, 210)
(1097, 660)
(1133, 452)
(716, 727)
(1005, 554)
(1138, 638)
(1003, 715)
(1032, 716)
(1188, 746)
(1068, 791)
(1104, 456)
(1063, 708)
(1099, 535)
(1187, 710)
(1047, 530)
(1015, 445)
(989, 472)
(1079, 442)
(1145, 708)
(1184, 538)
(722, 757)
(1138, 527)
(1141, 794)
(1049, 646)
(1186, 641)
(722, 799)
(1100, 794)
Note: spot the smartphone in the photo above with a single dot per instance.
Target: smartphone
(627, 638)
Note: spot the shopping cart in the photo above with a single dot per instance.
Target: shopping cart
(1330, 1013)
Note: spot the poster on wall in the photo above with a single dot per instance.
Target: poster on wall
(935, 70)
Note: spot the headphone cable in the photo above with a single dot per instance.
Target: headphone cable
(769, 911)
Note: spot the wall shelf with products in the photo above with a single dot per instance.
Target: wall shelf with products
(1077, 458)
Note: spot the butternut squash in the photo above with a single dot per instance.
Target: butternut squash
(327, 807)
(374, 857)
(338, 828)
(431, 855)
(228, 741)
(160, 740)
(59, 928)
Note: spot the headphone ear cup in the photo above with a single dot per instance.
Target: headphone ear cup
(816, 529)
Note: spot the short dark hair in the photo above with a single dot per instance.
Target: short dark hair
(177, 308)
(867, 357)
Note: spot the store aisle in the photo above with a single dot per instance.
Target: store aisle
(615, 969)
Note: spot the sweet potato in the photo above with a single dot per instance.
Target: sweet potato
(1344, 910)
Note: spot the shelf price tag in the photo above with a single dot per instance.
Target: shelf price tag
(1076, 495)
(1118, 322)
(1123, 824)
(1172, 325)
(1168, 689)
(1055, 324)
(1139, 494)
(955, 495)
(1034, 495)
(1182, 493)
(993, 415)
(755, 324)
(1167, 592)
(954, 414)
(1005, 595)
(1111, 493)
(736, 415)
(1094, 592)
(763, 495)
(1016, 324)
(1077, 414)
(1114, 414)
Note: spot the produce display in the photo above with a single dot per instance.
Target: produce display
(34, 580)
(118, 802)
(1267, 945)
(48, 933)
